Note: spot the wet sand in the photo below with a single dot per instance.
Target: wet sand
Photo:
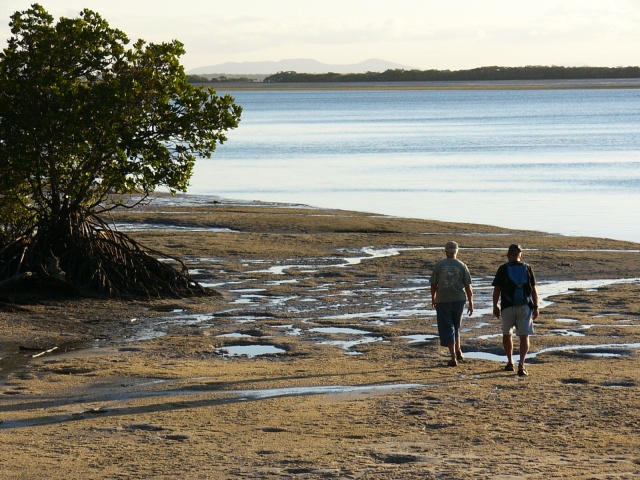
(360, 389)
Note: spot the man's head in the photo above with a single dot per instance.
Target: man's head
(451, 249)
(514, 253)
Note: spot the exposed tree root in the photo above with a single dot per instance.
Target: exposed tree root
(86, 256)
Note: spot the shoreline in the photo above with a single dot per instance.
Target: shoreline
(632, 83)
(203, 197)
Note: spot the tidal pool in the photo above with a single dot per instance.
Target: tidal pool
(607, 349)
(338, 330)
(249, 350)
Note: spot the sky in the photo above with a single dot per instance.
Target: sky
(422, 34)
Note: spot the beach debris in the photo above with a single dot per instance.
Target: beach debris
(53, 349)
(42, 351)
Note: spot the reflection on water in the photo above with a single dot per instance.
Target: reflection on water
(604, 350)
(250, 350)
(324, 390)
(349, 331)
(349, 345)
(399, 153)
(419, 338)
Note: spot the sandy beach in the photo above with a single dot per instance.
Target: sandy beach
(317, 358)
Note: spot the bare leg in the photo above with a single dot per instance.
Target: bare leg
(507, 343)
(524, 348)
(458, 346)
(452, 351)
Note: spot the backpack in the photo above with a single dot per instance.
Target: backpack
(519, 276)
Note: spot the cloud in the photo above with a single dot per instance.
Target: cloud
(424, 34)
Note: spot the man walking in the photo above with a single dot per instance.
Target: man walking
(450, 286)
(515, 288)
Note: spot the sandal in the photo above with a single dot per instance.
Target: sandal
(459, 356)
(509, 367)
(452, 363)
(522, 372)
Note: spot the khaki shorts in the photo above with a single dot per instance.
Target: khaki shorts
(519, 318)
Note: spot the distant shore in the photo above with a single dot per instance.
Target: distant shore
(619, 83)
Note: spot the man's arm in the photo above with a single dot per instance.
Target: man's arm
(469, 291)
(433, 295)
(496, 299)
(534, 296)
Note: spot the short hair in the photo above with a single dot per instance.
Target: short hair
(514, 249)
(451, 247)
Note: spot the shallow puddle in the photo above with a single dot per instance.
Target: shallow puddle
(419, 338)
(549, 289)
(362, 303)
(365, 305)
(325, 390)
(566, 333)
(235, 335)
(120, 397)
(151, 227)
(249, 350)
(609, 349)
(349, 345)
(339, 330)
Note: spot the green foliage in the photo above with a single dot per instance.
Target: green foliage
(220, 79)
(200, 79)
(82, 115)
(15, 218)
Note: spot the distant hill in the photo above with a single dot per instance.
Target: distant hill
(300, 65)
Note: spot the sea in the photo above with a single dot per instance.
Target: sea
(560, 160)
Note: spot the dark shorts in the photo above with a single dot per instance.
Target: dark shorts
(449, 317)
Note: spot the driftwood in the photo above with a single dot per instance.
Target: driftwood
(53, 349)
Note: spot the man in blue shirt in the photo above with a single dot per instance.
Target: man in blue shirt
(515, 288)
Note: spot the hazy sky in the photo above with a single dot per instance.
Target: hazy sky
(422, 34)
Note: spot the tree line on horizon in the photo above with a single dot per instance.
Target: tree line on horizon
(219, 79)
(531, 72)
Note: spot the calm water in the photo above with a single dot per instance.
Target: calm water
(562, 161)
